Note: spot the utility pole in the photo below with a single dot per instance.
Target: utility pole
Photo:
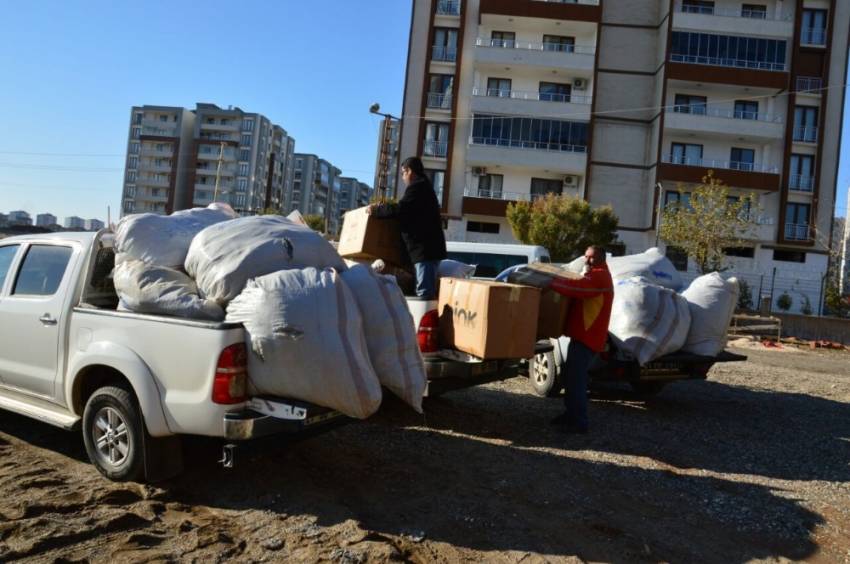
(386, 154)
(218, 170)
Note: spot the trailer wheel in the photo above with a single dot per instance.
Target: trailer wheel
(543, 375)
(112, 432)
(647, 388)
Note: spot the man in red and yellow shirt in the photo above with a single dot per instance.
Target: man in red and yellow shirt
(587, 328)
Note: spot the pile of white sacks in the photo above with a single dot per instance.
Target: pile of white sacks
(652, 316)
(317, 330)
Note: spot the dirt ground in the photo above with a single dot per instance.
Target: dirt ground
(749, 465)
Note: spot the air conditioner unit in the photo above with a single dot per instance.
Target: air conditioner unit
(570, 181)
(579, 84)
(479, 171)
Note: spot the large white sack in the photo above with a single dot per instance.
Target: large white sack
(306, 335)
(648, 321)
(159, 290)
(650, 264)
(164, 239)
(223, 257)
(390, 333)
(712, 301)
(449, 268)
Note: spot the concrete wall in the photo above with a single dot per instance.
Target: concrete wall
(815, 328)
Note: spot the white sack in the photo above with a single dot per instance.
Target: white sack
(306, 334)
(712, 301)
(449, 268)
(648, 321)
(164, 239)
(296, 217)
(225, 256)
(650, 264)
(159, 290)
(390, 333)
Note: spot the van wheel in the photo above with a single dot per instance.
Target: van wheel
(112, 432)
(647, 388)
(543, 375)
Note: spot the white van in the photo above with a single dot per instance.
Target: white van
(492, 258)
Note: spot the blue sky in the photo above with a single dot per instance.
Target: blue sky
(72, 70)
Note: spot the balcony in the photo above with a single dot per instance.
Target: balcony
(724, 122)
(159, 131)
(808, 85)
(813, 37)
(207, 152)
(438, 101)
(215, 136)
(152, 152)
(805, 134)
(433, 148)
(547, 55)
(448, 8)
(583, 2)
(153, 167)
(560, 10)
(213, 170)
(539, 104)
(227, 127)
(797, 232)
(556, 157)
(719, 164)
(444, 54)
(754, 176)
(801, 183)
(744, 21)
(158, 180)
(151, 197)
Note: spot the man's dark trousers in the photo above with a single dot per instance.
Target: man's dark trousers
(579, 357)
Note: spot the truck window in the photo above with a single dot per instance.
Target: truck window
(488, 265)
(42, 270)
(7, 253)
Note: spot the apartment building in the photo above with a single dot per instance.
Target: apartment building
(19, 217)
(315, 181)
(74, 222)
(45, 220)
(388, 158)
(353, 194)
(4, 220)
(94, 225)
(621, 101)
(179, 158)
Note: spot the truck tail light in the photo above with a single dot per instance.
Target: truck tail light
(231, 375)
(428, 335)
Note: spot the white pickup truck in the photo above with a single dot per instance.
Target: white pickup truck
(134, 383)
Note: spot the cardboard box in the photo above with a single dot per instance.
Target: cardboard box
(366, 237)
(490, 320)
(540, 275)
(553, 315)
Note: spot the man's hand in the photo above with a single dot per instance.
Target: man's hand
(370, 208)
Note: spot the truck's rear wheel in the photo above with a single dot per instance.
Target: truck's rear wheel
(543, 375)
(112, 432)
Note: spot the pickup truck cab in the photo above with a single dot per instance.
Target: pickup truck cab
(132, 383)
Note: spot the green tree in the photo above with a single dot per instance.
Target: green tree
(784, 302)
(712, 219)
(565, 225)
(835, 303)
(268, 211)
(315, 222)
(745, 296)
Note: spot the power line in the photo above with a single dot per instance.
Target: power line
(43, 154)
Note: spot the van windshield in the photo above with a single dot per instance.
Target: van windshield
(488, 265)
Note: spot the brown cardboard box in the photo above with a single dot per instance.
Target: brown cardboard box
(488, 319)
(540, 275)
(366, 237)
(553, 315)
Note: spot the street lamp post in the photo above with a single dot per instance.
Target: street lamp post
(386, 154)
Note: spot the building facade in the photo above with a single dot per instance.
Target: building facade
(19, 217)
(179, 158)
(388, 158)
(45, 220)
(315, 181)
(353, 194)
(94, 225)
(621, 101)
(74, 222)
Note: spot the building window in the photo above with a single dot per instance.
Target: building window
(440, 91)
(530, 133)
(245, 154)
(242, 185)
(678, 257)
(436, 139)
(131, 191)
(490, 186)
(698, 7)
(137, 118)
(686, 154)
(559, 43)
(741, 252)
(445, 44)
(813, 30)
(755, 11)
(801, 174)
(789, 256)
(728, 51)
(555, 92)
(482, 227)
(797, 222)
(133, 162)
(742, 159)
(542, 186)
(503, 39)
(674, 199)
(129, 207)
(448, 7)
(689, 104)
(806, 124)
(136, 132)
(246, 139)
(746, 109)
(437, 178)
(134, 148)
(499, 87)
(243, 169)
(248, 125)
(163, 118)
(131, 176)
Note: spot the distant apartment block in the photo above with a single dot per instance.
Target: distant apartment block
(179, 158)
(94, 225)
(353, 194)
(4, 220)
(19, 217)
(314, 183)
(74, 222)
(45, 220)
(387, 161)
(607, 100)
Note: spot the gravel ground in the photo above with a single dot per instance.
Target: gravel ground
(749, 465)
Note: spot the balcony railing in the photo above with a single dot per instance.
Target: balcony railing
(726, 114)
(584, 2)
(444, 53)
(751, 13)
(813, 36)
(152, 180)
(530, 95)
(801, 182)
(151, 152)
(448, 8)
(714, 163)
(534, 46)
(159, 131)
(727, 62)
(535, 145)
(797, 231)
(809, 84)
(435, 148)
(439, 101)
(806, 134)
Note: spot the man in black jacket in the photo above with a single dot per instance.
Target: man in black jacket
(418, 214)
